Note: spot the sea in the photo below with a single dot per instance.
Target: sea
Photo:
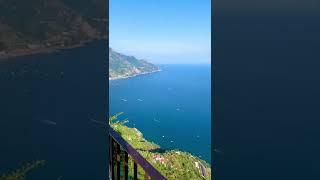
(50, 103)
(47, 104)
(172, 108)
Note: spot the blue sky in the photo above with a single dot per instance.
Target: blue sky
(162, 31)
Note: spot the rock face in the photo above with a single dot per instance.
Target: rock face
(50, 23)
(122, 66)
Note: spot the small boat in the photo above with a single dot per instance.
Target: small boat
(217, 151)
(156, 120)
(48, 122)
(99, 122)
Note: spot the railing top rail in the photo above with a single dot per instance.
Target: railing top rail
(148, 168)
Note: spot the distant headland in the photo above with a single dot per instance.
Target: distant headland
(122, 66)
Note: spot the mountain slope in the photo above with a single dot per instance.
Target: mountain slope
(35, 24)
(173, 164)
(122, 66)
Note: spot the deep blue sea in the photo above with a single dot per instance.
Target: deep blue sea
(67, 88)
(171, 108)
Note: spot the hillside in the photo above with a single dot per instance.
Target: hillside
(39, 25)
(21, 174)
(173, 164)
(122, 66)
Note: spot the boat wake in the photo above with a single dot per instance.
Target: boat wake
(48, 122)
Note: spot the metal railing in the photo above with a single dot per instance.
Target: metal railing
(118, 146)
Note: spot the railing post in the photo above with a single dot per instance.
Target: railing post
(112, 159)
(118, 161)
(146, 176)
(126, 172)
(135, 171)
(110, 154)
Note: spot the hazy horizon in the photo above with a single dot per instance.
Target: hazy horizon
(162, 32)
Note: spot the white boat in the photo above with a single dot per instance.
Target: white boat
(156, 120)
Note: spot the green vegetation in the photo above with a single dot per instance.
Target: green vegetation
(121, 66)
(21, 173)
(173, 164)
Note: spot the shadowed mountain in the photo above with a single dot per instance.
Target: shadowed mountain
(37, 24)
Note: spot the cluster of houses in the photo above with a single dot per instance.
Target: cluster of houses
(159, 158)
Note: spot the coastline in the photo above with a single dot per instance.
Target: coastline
(131, 76)
(164, 161)
(43, 50)
(26, 52)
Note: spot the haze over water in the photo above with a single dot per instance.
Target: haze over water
(171, 108)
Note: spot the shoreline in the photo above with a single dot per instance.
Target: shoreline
(42, 50)
(174, 157)
(127, 77)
